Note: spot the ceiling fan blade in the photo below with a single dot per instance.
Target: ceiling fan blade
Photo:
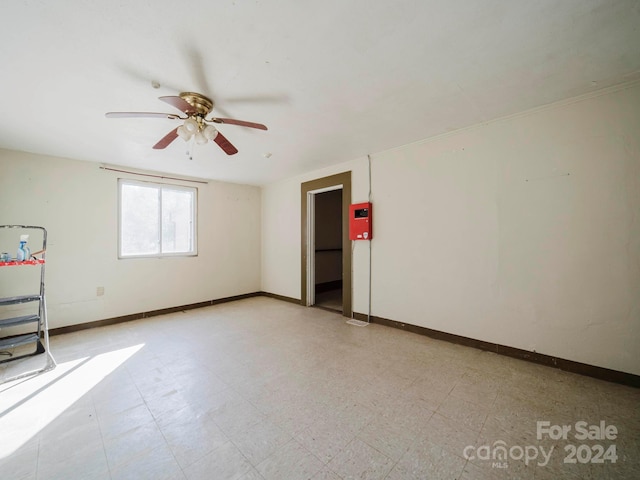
(231, 121)
(225, 144)
(179, 103)
(167, 139)
(170, 116)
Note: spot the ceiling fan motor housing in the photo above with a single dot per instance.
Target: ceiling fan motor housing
(201, 104)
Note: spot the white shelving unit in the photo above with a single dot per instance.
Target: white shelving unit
(14, 341)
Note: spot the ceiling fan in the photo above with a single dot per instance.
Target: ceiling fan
(196, 126)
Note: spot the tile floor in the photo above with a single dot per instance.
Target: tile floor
(261, 389)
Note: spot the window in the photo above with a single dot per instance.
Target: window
(156, 220)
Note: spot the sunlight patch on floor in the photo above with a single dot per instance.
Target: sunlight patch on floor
(27, 406)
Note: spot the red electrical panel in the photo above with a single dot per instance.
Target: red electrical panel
(360, 221)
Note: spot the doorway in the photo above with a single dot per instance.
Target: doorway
(326, 251)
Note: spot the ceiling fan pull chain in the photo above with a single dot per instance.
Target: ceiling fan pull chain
(190, 145)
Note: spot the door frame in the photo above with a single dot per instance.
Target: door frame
(307, 211)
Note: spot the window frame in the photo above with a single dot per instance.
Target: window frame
(160, 187)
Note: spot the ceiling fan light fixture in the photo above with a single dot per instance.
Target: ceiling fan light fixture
(191, 126)
(200, 138)
(210, 132)
(183, 133)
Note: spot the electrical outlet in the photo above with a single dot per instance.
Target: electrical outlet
(100, 291)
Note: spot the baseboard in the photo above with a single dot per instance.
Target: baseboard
(151, 313)
(601, 373)
(297, 301)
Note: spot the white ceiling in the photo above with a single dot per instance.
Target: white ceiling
(333, 80)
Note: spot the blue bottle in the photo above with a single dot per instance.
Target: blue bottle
(24, 253)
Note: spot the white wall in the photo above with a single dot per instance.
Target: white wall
(524, 231)
(77, 203)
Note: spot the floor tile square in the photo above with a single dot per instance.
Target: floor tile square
(224, 463)
(290, 462)
(361, 461)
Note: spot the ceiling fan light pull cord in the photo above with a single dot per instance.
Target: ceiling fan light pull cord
(190, 146)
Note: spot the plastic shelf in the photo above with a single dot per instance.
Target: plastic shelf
(14, 263)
